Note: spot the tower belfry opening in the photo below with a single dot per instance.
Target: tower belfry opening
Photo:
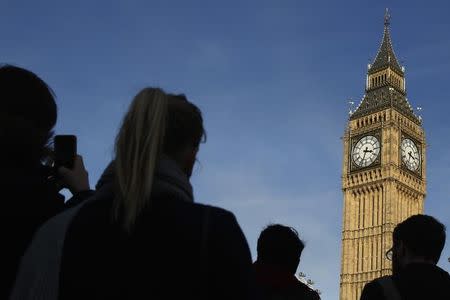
(383, 179)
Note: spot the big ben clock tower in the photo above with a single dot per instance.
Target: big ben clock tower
(383, 178)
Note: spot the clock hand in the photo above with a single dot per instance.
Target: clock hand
(364, 156)
(413, 157)
(367, 150)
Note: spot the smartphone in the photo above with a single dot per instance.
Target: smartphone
(65, 147)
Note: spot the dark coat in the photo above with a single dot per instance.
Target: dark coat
(415, 281)
(178, 249)
(28, 200)
(162, 259)
(273, 283)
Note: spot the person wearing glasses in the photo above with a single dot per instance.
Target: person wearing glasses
(30, 192)
(417, 245)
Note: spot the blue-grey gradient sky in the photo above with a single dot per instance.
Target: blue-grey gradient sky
(272, 78)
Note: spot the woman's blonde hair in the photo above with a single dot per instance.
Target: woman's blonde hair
(155, 123)
(138, 146)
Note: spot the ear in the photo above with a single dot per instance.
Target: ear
(402, 250)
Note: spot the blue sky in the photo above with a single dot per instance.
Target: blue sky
(272, 78)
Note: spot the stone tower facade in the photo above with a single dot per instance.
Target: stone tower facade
(383, 178)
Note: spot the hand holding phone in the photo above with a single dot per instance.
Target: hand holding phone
(65, 148)
(75, 179)
(69, 165)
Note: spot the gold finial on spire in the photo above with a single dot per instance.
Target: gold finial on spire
(387, 18)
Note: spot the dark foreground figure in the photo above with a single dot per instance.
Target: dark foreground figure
(29, 198)
(279, 251)
(142, 236)
(417, 245)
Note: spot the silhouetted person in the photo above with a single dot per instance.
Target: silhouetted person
(142, 236)
(417, 245)
(279, 250)
(29, 198)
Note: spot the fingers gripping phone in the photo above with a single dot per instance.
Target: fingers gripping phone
(65, 147)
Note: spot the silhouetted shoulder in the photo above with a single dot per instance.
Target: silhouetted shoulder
(219, 214)
(213, 209)
(225, 228)
(307, 292)
(372, 291)
(313, 295)
(216, 218)
(231, 269)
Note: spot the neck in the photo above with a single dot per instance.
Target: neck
(273, 267)
(419, 260)
(269, 274)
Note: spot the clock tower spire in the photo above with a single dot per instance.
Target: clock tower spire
(386, 83)
(383, 179)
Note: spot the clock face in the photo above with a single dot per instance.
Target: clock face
(366, 151)
(410, 154)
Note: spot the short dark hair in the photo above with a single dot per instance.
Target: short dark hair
(24, 94)
(27, 116)
(280, 245)
(423, 235)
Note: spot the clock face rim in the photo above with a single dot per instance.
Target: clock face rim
(406, 162)
(374, 157)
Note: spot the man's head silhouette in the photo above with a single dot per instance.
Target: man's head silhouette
(27, 117)
(419, 238)
(25, 95)
(281, 247)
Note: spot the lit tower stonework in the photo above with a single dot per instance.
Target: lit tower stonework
(383, 178)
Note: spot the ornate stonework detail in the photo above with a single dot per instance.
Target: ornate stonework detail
(382, 98)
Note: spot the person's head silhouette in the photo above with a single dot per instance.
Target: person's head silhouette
(280, 247)
(28, 114)
(184, 132)
(418, 239)
(156, 124)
